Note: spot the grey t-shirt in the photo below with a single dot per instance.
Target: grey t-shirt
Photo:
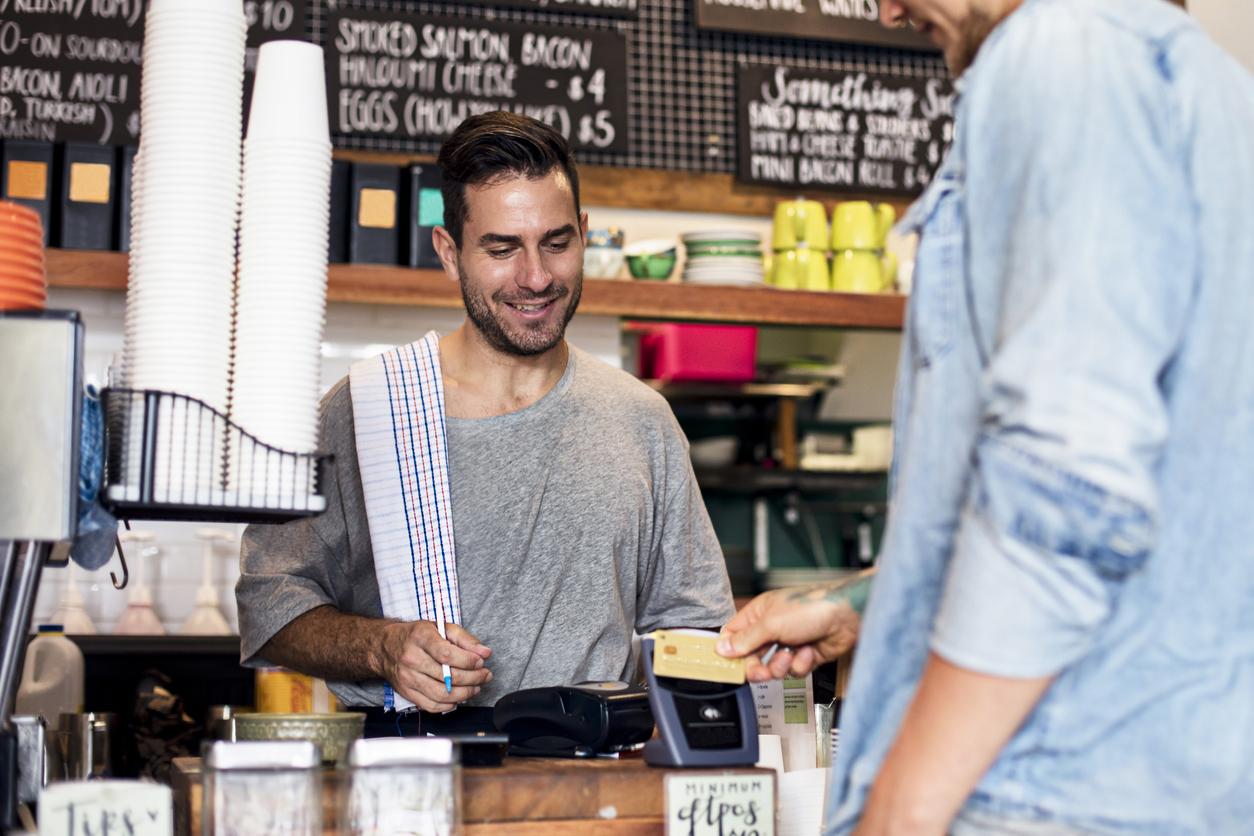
(577, 520)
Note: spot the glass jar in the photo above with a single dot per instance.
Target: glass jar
(402, 785)
(262, 787)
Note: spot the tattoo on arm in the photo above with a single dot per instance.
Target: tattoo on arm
(852, 590)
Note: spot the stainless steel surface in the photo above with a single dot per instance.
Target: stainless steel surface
(87, 744)
(823, 714)
(32, 756)
(40, 385)
(220, 721)
(15, 610)
(9, 554)
(263, 754)
(402, 751)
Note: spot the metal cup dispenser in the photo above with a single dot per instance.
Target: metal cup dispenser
(41, 371)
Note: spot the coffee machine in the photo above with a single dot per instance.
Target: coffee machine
(41, 371)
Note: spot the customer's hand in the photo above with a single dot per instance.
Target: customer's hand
(810, 625)
(412, 654)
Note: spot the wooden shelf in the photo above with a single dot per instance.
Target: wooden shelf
(755, 480)
(384, 285)
(112, 644)
(729, 391)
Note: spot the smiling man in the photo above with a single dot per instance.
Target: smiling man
(1060, 636)
(575, 514)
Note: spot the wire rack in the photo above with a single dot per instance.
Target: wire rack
(173, 457)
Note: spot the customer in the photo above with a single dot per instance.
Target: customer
(576, 516)
(1061, 634)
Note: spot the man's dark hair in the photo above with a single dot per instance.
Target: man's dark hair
(494, 146)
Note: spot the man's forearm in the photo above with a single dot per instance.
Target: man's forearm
(327, 643)
(954, 729)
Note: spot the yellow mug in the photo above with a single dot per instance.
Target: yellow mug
(857, 225)
(801, 269)
(812, 270)
(786, 274)
(799, 222)
(863, 271)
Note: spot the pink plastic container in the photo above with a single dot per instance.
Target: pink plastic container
(698, 352)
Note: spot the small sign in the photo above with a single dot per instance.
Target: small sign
(720, 803)
(784, 709)
(843, 130)
(398, 75)
(92, 808)
(842, 21)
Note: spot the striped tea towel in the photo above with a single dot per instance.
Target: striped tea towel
(398, 411)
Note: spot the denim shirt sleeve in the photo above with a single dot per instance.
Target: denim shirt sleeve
(1078, 206)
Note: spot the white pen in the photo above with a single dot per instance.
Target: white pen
(448, 675)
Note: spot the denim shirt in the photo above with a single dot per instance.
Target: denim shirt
(1073, 489)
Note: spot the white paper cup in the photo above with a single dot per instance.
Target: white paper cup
(289, 93)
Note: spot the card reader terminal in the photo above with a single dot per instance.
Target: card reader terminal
(699, 723)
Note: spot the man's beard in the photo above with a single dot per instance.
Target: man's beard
(974, 32)
(528, 341)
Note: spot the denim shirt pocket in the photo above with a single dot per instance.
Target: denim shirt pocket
(933, 311)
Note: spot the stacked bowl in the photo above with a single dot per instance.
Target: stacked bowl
(22, 276)
(185, 196)
(724, 256)
(281, 302)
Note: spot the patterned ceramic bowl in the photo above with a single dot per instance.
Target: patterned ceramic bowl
(333, 733)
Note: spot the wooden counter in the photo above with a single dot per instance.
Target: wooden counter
(524, 797)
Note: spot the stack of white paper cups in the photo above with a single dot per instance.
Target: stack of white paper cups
(186, 189)
(281, 303)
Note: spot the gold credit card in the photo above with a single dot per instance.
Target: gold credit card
(687, 656)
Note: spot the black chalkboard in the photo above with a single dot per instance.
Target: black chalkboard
(398, 75)
(851, 131)
(274, 20)
(628, 9)
(70, 71)
(843, 21)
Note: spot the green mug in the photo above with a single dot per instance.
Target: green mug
(784, 273)
(799, 222)
(863, 271)
(857, 225)
(801, 269)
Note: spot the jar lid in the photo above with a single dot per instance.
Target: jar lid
(402, 751)
(263, 754)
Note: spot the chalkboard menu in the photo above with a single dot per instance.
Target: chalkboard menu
(852, 131)
(404, 76)
(275, 20)
(612, 8)
(70, 71)
(844, 21)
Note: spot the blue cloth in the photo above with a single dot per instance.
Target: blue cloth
(96, 534)
(1075, 428)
